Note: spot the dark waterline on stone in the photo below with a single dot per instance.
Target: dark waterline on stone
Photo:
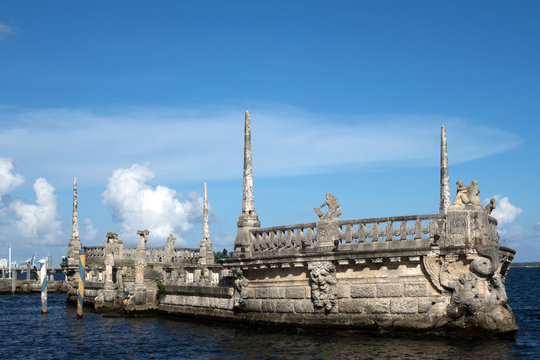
(58, 335)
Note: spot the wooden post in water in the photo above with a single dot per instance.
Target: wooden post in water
(13, 280)
(80, 290)
(43, 279)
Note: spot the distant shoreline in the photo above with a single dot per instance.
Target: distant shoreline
(526, 264)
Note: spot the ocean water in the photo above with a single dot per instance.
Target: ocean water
(26, 334)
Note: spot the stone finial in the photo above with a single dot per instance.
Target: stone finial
(248, 219)
(467, 196)
(445, 179)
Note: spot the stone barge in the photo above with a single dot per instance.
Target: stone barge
(438, 274)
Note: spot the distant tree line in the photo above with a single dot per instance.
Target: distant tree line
(221, 255)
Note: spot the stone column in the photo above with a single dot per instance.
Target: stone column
(140, 257)
(248, 220)
(445, 179)
(206, 255)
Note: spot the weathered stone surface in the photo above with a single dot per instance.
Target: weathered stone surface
(261, 292)
(276, 292)
(303, 306)
(416, 290)
(285, 306)
(377, 306)
(389, 290)
(269, 305)
(253, 305)
(363, 291)
(351, 306)
(404, 306)
(425, 303)
(297, 292)
(343, 291)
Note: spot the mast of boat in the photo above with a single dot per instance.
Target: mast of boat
(9, 262)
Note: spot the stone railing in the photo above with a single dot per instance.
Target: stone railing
(94, 253)
(358, 232)
(154, 254)
(157, 254)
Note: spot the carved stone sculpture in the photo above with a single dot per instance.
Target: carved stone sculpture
(239, 285)
(465, 294)
(467, 196)
(323, 285)
(490, 206)
(334, 209)
(169, 249)
(327, 228)
(140, 256)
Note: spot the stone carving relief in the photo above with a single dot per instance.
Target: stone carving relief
(334, 209)
(467, 196)
(475, 290)
(323, 285)
(432, 265)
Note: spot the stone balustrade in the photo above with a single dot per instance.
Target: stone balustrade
(154, 254)
(94, 253)
(354, 232)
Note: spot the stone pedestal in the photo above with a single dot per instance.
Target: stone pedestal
(467, 227)
(327, 232)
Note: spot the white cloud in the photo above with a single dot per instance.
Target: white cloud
(286, 141)
(136, 205)
(5, 30)
(40, 222)
(8, 179)
(89, 231)
(505, 212)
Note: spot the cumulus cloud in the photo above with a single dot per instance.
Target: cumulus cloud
(8, 179)
(5, 30)
(136, 205)
(505, 212)
(39, 222)
(90, 231)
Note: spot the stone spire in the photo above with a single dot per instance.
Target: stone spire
(206, 254)
(248, 219)
(75, 242)
(75, 221)
(248, 204)
(445, 179)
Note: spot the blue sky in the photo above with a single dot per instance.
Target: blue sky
(143, 102)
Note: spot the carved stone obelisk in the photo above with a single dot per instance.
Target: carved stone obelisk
(206, 253)
(248, 220)
(71, 266)
(75, 241)
(445, 179)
